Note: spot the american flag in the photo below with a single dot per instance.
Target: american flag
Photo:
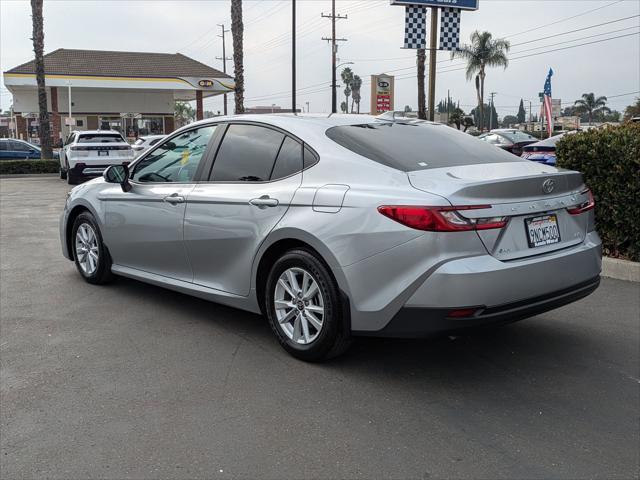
(547, 102)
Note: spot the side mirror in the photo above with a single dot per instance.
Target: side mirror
(118, 174)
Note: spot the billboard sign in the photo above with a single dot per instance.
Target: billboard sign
(461, 4)
(381, 93)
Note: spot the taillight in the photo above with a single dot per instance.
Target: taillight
(440, 219)
(584, 206)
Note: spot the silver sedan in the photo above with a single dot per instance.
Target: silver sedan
(339, 226)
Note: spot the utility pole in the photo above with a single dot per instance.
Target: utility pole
(293, 56)
(307, 106)
(433, 48)
(491, 111)
(334, 52)
(529, 123)
(224, 59)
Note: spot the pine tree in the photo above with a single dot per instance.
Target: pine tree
(522, 114)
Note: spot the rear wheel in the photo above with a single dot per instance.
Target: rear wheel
(304, 308)
(72, 178)
(91, 257)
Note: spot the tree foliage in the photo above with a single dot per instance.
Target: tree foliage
(591, 105)
(609, 160)
(484, 51)
(632, 110)
(522, 113)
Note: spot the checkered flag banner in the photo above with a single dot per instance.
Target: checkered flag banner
(415, 27)
(449, 28)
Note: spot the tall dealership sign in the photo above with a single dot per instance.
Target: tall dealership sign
(382, 91)
(415, 31)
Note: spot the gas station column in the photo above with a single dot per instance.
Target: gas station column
(199, 111)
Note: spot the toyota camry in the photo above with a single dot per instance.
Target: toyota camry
(339, 226)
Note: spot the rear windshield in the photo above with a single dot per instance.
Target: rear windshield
(100, 138)
(417, 145)
(516, 137)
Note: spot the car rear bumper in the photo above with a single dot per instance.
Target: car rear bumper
(421, 322)
(494, 291)
(93, 169)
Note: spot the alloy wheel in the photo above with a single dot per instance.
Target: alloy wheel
(87, 249)
(299, 305)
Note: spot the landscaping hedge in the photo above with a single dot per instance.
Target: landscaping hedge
(15, 167)
(609, 160)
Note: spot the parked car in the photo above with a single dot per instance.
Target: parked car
(143, 143)
(14, 149)
(334, 227)
(543, 151)
(508, 139)
(87, 153)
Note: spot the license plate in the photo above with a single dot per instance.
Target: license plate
(104, 153)
(542, 230)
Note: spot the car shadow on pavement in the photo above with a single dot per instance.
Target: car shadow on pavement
(538, 345)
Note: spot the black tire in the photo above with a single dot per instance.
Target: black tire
(63, 174)
(334, 337)
(72, 178)
(102, 273)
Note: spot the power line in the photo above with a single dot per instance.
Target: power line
(404, 77)
(562, 20)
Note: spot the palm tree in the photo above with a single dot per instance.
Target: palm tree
(347, 78)
(591, 105)
(421, 57)
(237, 31)
(38, 48)
(183, 113)
(483, 52)
(356, 83)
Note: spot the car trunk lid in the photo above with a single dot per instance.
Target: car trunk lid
(532, 197)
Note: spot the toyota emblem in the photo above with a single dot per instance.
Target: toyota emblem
(548, 185)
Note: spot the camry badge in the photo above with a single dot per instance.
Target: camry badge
(548, 186)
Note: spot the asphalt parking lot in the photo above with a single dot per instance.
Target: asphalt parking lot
(133, 381)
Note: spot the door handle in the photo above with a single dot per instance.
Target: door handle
(264, 201)
(174, 199)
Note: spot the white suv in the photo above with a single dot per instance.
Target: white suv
(88, 153)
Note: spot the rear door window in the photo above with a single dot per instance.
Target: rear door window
(289, 159)
(416, 145)
(247, 154)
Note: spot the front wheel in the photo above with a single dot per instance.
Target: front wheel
(91, 257)
(63, 174)
(304, 308)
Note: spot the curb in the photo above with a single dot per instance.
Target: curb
(621, 269)
(28, 175)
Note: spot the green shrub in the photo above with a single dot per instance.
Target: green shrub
(15, 167)
(609, 160)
